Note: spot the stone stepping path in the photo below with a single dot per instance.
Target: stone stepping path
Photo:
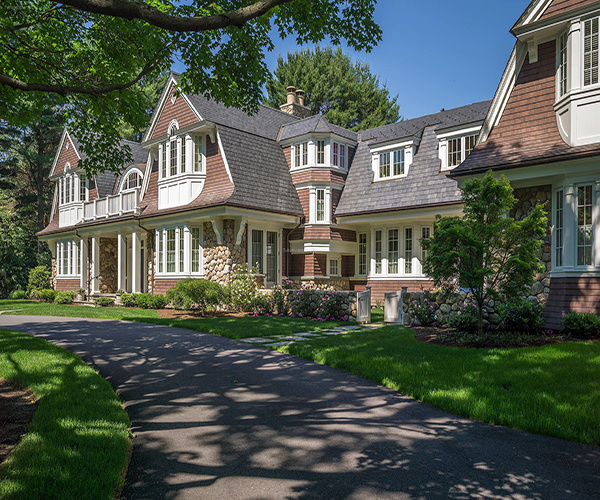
(279, 340)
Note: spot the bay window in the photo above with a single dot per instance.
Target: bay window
(170, 240)
(179, 250)
(584, 225)
(408, 250)
(182, 156)
(67, 257)
(590, 52)
(559, 229)
(320, 205)
(320, 152)
(163, 160)
(173, 157)
(362, 254)
(563, 64)
(378, 251)
(196, 249)
(392, 248)
(301, 154)
(198, 154)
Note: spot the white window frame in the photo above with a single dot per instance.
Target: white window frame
(359, 271)
(126, 177)
(301, 154)
(583, 52)
(333, 273)
(406, 149)
(84, 187)
(312, 209)
(563, 66)
(67, 250)
(592, 224)
(199, 142)
(408, 262)
(264, 229)
(183, 256)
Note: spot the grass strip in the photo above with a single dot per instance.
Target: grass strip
(77, 444)
(552, 390)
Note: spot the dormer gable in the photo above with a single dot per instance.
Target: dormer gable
(66, 154)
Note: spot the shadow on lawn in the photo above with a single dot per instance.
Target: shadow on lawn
(215, 418)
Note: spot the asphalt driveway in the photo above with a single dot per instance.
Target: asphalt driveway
(215, 418)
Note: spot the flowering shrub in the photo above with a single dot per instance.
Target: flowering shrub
(301, 303)
(323, 306)
(243, 289)
(329, 307)
(466, 319)
(261, 305)
(279, 296)
(423, 311)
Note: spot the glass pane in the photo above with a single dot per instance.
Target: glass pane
(195, 249)
(393, 251)
(271, 257)
(257, 250)
(384, 165)
(173, 156)
(320, 205)
(408, 250)
(362, 253)
(171, 250)
(181, 249)
(378, 249)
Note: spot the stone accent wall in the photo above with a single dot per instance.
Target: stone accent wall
(221, 261)
(108, 280)
(446, 305)
(151, 261)
(347, 306)
(527, 199)
(323, 284)
(54, 271)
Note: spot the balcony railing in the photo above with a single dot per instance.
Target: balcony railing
(127, 202)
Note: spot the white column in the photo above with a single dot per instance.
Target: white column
(121, 249)
(95, 264)
(372, 253)
(187, 250)
(575, 56)
(135, 261)
(312, 205)
(83, 263)
(570, 227)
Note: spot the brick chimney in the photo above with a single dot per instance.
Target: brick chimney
(295, 103)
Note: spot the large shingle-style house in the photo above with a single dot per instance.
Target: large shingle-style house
(543, 133)
(212, 188)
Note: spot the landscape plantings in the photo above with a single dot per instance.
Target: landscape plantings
(45, 295)
(39, 279)
(146, 301)
(18, 295)
(104, 302)
(201, 294)
(551, 390)
(423, 311)
(522, 316)
(466, 319)
(582, 325)
(78, 441)
(64, 297)
(243, 288)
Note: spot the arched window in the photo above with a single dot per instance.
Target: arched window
(132, 180)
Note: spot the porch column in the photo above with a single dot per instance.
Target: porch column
(121, 248)
(570, 227)
(187, 253)
(95, 286)
(83, 263)
(135, 260)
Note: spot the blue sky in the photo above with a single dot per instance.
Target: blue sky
(436, 53)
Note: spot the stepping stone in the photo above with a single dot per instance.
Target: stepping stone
(256, 340)
(308, 335)
(277, 344)
(294, 337)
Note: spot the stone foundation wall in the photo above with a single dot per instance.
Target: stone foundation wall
(108, 279)
(323, 284)
(446, 305)
(527, 199)
(54, 271)
(150, 261)
(348, 302)
(222, 260)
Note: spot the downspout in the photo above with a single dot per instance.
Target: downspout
(289, 250)
(150, 235)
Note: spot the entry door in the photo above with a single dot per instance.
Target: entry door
(272, 270)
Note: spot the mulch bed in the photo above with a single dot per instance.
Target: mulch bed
(173, 313)
(17, 407)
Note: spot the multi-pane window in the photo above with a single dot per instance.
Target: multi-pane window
(320, 205)
(455, 152)
(181, 250)
(470, 142)
(384, 165)
(342, 156)
(160, 253)
(425, 234)
(559, 228)
(362, 254)
(378, 250)
(590, 52)
(584, 225)
(392, 253)
(173, 157)
(257, 249)
(133, 180)
(163, 161)
(170, 250)
(67, 258)
(198, 153)
(334, 267)
(320, 152)
(408, 250)
(301, 154)
(305, 153)
(196, 250)
(82, 188)
(336, 154)
(399, 162)
(183, 148)
(563, 64)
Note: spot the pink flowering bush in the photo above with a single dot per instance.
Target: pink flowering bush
(422, 310)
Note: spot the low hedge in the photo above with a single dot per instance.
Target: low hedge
(144, 300)
(582, 325)
(64, 297)
(200, 294)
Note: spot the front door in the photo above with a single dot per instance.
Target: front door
(272, 271)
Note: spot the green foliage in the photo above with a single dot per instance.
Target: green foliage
(45, 295)
(243, 288)
(64, 297)
(486, 251)
(346, 93)
(522, 316)
(261, 305)
(104, 302)
(196, 293)
(423, 310)
(322, 306)
(18, 295)
(82, 54)
(39, 278)
(149, 301)
(581, 325)
(128, 299)
(466, 320)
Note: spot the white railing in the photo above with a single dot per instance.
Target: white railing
(112, 206)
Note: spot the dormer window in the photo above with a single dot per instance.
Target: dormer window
(301, 154)
(339, 155)
(392, 163)
(173, 157)
(459, 148)
(320, 152)
(132, 180)
(198, 154)
(590, 52)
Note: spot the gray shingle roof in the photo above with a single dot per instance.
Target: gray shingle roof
(316, 123)
(266, 122)
(260, 173)
(463, 115)
(424, 184)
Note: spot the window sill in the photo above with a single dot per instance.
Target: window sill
(164, 275)
(391, 178)
(185, 175)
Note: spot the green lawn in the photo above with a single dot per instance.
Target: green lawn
(552, 390)
(234, 328)
(78, 442)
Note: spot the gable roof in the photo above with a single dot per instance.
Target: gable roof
(314, 124)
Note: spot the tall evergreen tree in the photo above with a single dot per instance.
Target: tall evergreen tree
(346, 93)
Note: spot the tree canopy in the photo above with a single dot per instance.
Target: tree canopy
(91, 55)
(486, 251)
(347, 93)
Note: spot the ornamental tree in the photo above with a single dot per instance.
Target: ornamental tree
(345, 92)
(486, 251)
(92, 55)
